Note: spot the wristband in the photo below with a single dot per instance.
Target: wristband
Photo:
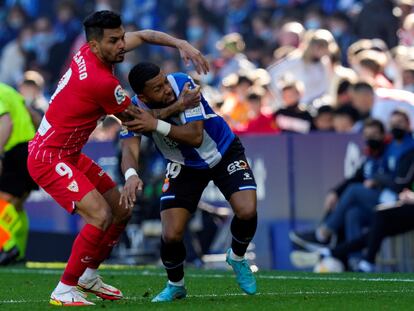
(163, 127)
(130, 172)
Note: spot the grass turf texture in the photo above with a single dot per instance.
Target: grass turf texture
(24, 288)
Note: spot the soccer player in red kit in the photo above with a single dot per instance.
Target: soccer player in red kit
(88, 91)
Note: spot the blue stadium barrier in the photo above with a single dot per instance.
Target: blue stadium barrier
(293, 173)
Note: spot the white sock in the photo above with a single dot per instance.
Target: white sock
(366, 266)
(320, 236)
(62, 288)
(235, 257)
(179, 283)
(326, 252)
(89, 274)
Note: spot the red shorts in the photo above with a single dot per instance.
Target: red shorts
(70, 179)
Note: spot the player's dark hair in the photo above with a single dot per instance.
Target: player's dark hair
(375, 123)
(140, 74)
(95, 24)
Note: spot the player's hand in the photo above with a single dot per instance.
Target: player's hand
(143, 121)
(189, 98)
(330, 201)
(407, 196)
(189, 53)
(132, 186)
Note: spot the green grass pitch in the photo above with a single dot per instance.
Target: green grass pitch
(22, 288)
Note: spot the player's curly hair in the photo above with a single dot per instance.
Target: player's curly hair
(95, 24)
(140, 74)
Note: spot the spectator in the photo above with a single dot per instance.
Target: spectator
(290, 35)
(343, 92)
(383, 24)
(408, 77)
(323, 120)
(406, 33)
(381, 103)
(235, 108)
(15, 21)
(340, 27)
(43, 39)
(31, 88)
(314, 19)
(258, 123)
(16, 57)
(202, 36)
(345, 118)
(388, 221)
(293, 117)
(370, 68)
(232, 60)
(350, 195)
(305, 64)
(339, 74)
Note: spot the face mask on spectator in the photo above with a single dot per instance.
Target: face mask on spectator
(374, 144)
(337, 31)
(194, 33)
(312, 23)
(16, 23)
(265, 35)
(398, 133)
(44, 38)
(207, 78)
(28, 45)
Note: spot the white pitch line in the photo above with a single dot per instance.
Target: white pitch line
(195, 275)
(294, 293)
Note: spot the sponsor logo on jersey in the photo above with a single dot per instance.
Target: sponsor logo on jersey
(194, 112)
(247, 176)
(86, 259)
(237, 166)
(73, 186)
(119, 94)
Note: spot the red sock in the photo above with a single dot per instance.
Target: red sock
(108, 242)
(83, 252)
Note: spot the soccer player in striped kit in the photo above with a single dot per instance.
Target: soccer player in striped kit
(200, 147)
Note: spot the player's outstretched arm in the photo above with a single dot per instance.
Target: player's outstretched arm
(129, 165)
(187, 51)
(189, 134)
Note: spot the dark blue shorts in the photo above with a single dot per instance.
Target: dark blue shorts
(184, 185)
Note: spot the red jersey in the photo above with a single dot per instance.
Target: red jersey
(86, 92)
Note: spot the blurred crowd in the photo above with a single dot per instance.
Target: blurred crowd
(277, 66)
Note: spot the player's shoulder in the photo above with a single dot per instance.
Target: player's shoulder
(136, 102)
(178, 79)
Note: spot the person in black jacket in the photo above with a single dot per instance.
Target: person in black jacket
(389, 220)
(350, 192)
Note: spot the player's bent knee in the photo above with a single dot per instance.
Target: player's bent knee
(100, 217)
(247, 212)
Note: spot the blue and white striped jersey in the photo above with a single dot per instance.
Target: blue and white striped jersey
(217, 135)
